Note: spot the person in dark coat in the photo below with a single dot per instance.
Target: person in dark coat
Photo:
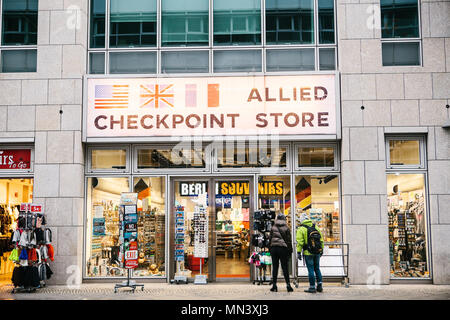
(280, 250)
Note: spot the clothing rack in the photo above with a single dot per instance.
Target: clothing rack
(33, 242)
(263, 220)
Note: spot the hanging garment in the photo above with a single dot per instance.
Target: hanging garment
(48, 236)
(23, 242)
(23, 254)
(48, 271)
(18, 276)
(14, 256)
(50, 252)
(44, 253)
(16, 236)
(40, 236)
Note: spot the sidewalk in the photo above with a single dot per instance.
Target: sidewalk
(231, 291)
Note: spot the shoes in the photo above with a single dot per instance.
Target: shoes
(289, 288)
(274, 288)
(311, 290)
(319, 287)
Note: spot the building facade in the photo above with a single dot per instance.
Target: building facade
(354, 97)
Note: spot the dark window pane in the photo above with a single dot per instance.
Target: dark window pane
(185, 157)
(327, 59)
(185, 62)
(133, 23)
(326, 21)
(399, 19)
(20, 19)
(19, 60)
(401, 54)
(132, 62)
(290, 21)
(97, 63)
(237, 22)
(185, 23)
(97, 23)
(237, 61)
(290, 60)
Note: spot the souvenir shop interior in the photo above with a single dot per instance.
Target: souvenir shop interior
(13, 192)
(407, 226)
(102, 256)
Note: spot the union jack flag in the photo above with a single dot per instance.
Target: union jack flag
(111, 96)
(157, 96)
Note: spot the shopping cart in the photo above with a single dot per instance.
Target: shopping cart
(333, 264)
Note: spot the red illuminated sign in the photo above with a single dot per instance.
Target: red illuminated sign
(15, 159)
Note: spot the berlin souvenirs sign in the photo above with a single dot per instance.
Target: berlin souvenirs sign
(209, 106)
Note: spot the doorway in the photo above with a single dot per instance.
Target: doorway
(227, 202)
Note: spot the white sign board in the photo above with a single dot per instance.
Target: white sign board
(284, 105)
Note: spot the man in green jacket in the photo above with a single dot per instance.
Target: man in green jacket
(312, 260)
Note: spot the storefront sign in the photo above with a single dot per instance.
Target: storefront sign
(190, 189)
(211, 106)
(15, 159)
(35, 208)
(242, 188)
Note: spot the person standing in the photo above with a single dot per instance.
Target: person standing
(280, 250)
(310, 240)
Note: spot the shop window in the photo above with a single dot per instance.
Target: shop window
(318, 197)
(108, 159)
(404, 152)
(184, 62)
(132, 23)
(151, 226)
(289, 23)
(185, 23)
(237, 22)
(102, 223)
(316, 157)
(290, 60)
(170, 158)
(13, 192)
(407, 216)
(241, 155)
(237, 61)
(97, 24)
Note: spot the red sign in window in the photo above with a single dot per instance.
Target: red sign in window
(15, 159)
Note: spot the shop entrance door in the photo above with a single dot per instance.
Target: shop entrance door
(227, 202)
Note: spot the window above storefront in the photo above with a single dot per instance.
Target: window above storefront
(305, 27)
(405, 152)
(108, 159)
(316, 157)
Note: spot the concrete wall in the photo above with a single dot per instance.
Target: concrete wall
(395, 99)
(46, 106)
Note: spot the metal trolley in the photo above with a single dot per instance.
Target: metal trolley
(333, 264)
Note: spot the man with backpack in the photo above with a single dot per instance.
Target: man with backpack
(310, 240)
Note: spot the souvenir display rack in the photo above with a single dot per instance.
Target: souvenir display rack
(263, 221)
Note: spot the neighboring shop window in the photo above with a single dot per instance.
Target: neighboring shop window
(19, 21)
(407, 225)
(405, 153)
(316, 157)
(240, 155)
(170, 158)
(102, 233)
(13, 192)
(151, 226)
(318, 196)
(407, 207)
(185, 23)
(104, 159)
(400, 32)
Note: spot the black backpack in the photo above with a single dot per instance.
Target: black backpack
(313, 244)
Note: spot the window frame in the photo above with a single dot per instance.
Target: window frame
(90, 171)
(259, 170)
(405, 40)
(334, 168)
(160, 171)
(31, 47)
(402, 167)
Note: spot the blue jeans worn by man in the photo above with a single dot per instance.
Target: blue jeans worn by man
(312, 263)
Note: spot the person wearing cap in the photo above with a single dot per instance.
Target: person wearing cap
(280, 249)
(312, 260)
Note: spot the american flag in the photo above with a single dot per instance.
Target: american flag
(111, 96)
(157, 96)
